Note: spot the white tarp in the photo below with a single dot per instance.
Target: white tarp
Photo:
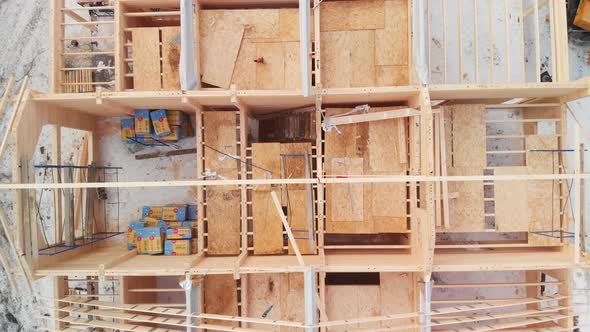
(188, 67)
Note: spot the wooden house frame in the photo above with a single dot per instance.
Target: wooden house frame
(440, 134)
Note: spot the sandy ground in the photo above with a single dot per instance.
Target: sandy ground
(24, 37)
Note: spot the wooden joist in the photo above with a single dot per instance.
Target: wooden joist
(368, 117)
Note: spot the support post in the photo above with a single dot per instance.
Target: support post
(304, 45)
(188, 68)
(311, 307)
(577, 193)
(425, 302)
(192, 288)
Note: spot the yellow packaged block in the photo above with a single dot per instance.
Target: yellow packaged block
(150, 241)
(177, 247)
(174, 213)
(154, 212)
(179, 233)
(132, 233)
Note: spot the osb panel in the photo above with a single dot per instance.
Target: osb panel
(146, 59)
(467, 210)
(397, 296)
(267, 158)
(391, 43)
(352, 301)
(377, 148)
(284, 292)
(345, 201)
(348, 58)
(293, 162)
(292, 299)
(267, 225)
(392, 75)
(258, 23)
(220, 44)
(289, 24)
(292, 64)
(271, 73)
(221, 297)
(352, 15)
(170, 58)
(387, 207)
(244, 76)
(511, 202)
(543, 196)
(542, 162)
(223, 220)
(264, 290)
(297, 217)
(469, 135)
(220, 134)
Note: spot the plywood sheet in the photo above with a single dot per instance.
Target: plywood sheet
(146, 59)
(542, 162)
(170, 58)
(392, 42)
(223, 220)
(292, 299)
(348, 141)
(345, 199)
(352, 15)
(220, 44)
(352, 301)
(297, 217)
(467, 210)
(271, 73)
(289, 24)
(221, 297)
(511, 202)
(267, 225)
(468, 136)
(397, 296)
(220, 135)
(362, 57)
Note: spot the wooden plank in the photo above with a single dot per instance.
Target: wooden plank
(267, 226)
(220, 44)
(223, 220)
(468, 135)
(392, 42)
(146, 59)
(170, 58)
(287, 227)
(352, 15)
(221, 297)
(372, 116)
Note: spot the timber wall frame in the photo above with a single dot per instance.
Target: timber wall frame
(110, 259)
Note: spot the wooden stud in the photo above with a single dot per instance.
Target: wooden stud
(537, 42)
(287, 227)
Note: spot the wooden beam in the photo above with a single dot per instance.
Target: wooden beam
(443, 167)
(368, 117)
(80, 19)
(287, 227)
(24, 269)
(16, 111)
(6, 96)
